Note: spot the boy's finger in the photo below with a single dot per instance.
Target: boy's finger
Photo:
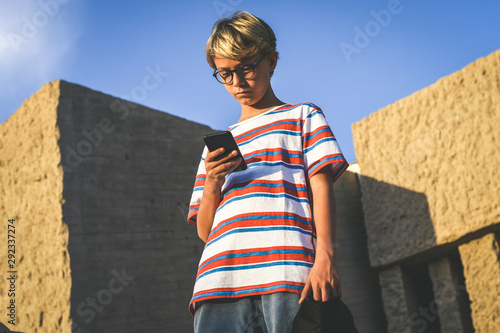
(225, 166)
(326, 293)
(224, 158)
(316, 293)
(213, 154)
(305, 292)
(230, 156)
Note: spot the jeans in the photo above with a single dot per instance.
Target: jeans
(271, 313)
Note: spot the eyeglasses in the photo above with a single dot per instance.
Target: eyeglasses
(225, 76)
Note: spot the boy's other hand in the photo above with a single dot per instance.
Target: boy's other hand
(219, 166)
(323, 281)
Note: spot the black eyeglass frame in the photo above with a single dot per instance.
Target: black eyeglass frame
(232, 71)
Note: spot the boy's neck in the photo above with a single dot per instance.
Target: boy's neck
(267, 102)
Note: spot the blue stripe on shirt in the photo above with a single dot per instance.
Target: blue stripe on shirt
(284, 132)
(264, 184)
(282, 152)
(254, 266)
(324, 161)
(257, 229)
(264, 195)
(257, 253)
(248, 291)
(262, 217)
(268, 126)
(318, 143)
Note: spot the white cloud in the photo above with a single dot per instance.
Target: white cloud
(36, 40)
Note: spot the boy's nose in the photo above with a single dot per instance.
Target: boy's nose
(237, 80)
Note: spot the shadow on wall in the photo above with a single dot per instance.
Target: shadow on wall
(133, 255)
(397, 220)
(402, 247)
(360, 283)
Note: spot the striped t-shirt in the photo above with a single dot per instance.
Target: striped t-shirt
(262, 239)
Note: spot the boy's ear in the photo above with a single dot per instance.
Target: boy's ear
(273, 60)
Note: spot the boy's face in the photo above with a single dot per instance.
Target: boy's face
(248, 91)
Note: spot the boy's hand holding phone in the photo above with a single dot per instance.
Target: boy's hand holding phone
(218, 165)
(224, 156)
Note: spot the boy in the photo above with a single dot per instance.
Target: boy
(264, 252)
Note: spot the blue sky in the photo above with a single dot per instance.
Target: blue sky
(351, 58)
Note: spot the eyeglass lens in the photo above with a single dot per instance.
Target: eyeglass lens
(245, 72)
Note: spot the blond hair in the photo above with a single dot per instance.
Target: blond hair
(240, 37)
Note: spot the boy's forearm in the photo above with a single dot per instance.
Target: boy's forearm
(323, 281)
(324, 212)
(326, 225)
(206, 212)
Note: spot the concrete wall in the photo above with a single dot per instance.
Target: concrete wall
(360, 285)
(441, 144)
(31, 193)
(99, 189)
(129, 173)
(430, 183)
(482, 275)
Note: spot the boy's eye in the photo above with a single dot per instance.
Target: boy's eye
(225, 74)
(246, 69)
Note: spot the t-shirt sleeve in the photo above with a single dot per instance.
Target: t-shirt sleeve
(319, 146)
(199, 183)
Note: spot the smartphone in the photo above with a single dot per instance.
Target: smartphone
(224, 139)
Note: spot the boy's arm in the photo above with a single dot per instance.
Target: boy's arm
(206, 213)
(216, 171)
(323, 280)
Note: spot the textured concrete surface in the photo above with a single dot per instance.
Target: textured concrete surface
(449, 296)
(393, 297)
(129, 173)
(31, 193)
(430, 164)
(481, 260)
(99, 189)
